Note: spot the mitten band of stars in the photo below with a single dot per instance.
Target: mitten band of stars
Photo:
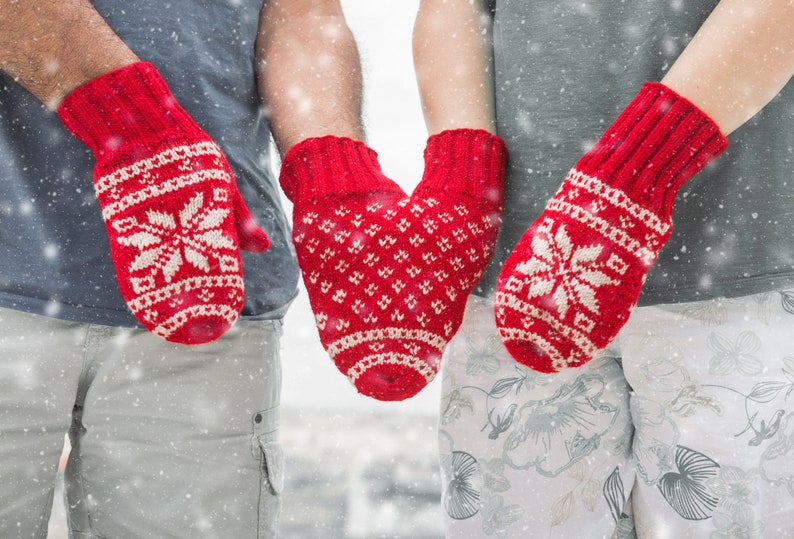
(174, 217)
(571, 282)
(388, 274)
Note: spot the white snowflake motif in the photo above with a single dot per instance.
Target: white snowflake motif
(167, 241)
(570, 273)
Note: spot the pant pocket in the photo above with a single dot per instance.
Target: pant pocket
(267, 449)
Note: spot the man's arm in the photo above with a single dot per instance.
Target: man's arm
(51, 48)
(309, 71)
(740, 58)
(453, 62)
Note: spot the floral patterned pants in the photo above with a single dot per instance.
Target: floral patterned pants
(683, 427)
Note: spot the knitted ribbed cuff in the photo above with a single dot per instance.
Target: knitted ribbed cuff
(470, 161)
(131, 105)
(656, 144)
(328, 165)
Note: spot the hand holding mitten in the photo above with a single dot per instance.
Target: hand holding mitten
(388, 274)
(174, 216)
(576, 274)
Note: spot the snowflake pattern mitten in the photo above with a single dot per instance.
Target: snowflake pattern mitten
(388, 274)
(174, 217)
(574, 277)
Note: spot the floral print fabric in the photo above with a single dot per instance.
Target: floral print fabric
(683, 427)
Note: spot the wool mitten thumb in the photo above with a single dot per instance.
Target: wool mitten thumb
(174, 217)
(570, 284)
(388, 274)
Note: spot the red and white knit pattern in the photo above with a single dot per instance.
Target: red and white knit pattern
(388, 274)
(173, 238)
(174, 217)
(385, 273)
(574, 277)
(584, 257)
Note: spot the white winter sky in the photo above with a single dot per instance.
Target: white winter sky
(395, 129)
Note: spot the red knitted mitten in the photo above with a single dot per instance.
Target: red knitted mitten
(388, 274)
(174, 216)
(576, 274)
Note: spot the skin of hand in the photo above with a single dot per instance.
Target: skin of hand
(739, 59)
(51, 48)
(453, 62)
(309, 71)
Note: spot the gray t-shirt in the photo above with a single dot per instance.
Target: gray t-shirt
(54, 254)
(564, 71)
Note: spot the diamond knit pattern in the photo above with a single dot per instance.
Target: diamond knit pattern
(573, 279)
(174, 217)
(388, 274)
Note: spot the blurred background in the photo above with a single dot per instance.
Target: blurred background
(358, 468)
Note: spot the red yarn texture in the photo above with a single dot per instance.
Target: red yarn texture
(576, 274)
(173, 214)
(388, 274)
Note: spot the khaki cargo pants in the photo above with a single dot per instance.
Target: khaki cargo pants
(167, 441)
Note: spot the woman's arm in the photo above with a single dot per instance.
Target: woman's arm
(740, 58)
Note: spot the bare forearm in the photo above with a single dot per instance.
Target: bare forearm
(51, 48)
(452, 58)
(309, 71)
(738, 61)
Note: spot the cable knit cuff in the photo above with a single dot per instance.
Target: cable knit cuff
(329, 165)
(656, 144)
(126, 107)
